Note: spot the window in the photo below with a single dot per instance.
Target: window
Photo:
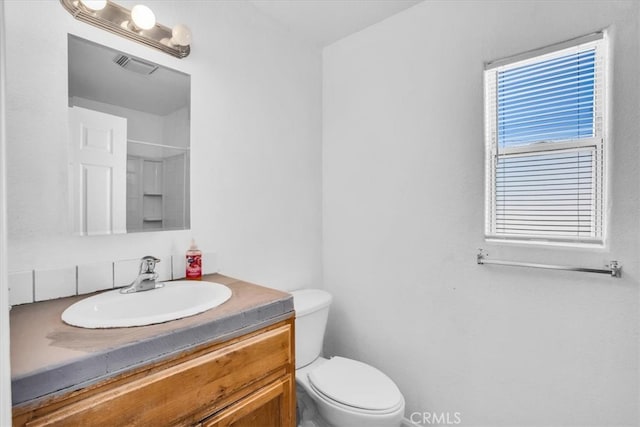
(545, 144)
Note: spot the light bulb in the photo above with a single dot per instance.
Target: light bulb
(181, 35)
(94, 4)
(143, 17)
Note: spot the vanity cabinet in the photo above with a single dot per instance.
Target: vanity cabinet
(244, 381)
(265, 407)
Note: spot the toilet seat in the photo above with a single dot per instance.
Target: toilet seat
(355, 386)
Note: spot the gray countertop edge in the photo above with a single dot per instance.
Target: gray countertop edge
(80, 373)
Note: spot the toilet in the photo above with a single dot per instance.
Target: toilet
(337, 392)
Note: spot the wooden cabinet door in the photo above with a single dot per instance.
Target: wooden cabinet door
(271, 406)
(188, 390)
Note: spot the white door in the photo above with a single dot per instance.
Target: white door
(98, 170)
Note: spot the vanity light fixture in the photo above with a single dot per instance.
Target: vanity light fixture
(138, 24)
(94, 4)
(143, 17)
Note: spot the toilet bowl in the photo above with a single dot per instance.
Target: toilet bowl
(367, 399)
(345, 392)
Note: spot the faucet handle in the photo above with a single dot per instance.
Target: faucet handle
(148, 264)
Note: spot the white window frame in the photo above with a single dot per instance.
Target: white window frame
(598, 143)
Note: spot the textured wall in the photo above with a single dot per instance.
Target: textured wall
(403, 173)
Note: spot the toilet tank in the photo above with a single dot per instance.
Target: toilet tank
(312, 311)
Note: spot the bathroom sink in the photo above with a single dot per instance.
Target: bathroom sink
(174, 300)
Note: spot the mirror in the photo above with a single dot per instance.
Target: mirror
(129, 161)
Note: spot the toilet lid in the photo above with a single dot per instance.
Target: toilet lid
(355, 384)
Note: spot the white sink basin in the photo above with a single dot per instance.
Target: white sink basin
(174, 300)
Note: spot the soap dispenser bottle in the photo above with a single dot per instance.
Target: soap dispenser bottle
(194, 262)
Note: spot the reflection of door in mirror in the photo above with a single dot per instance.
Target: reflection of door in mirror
(97, 161)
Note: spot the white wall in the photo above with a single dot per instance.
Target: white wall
(5, 369)
(255, 136)
(403, 217)
(174, 130)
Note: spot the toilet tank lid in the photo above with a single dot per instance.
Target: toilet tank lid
(307, 301)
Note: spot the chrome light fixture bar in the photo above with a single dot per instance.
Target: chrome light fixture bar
(137, 24)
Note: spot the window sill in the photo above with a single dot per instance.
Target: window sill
(598, 247)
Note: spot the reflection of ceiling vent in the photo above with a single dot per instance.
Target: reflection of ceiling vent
(134, 64)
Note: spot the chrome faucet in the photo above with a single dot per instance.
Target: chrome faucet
(147, 277)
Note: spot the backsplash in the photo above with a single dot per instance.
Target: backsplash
(45, 284)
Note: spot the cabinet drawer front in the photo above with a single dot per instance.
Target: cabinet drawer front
(267, 407)
(168, 396)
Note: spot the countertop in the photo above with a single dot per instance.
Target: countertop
(50, 357)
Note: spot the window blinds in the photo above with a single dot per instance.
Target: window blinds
(546, 194)
(547, 101)
(545, 147)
